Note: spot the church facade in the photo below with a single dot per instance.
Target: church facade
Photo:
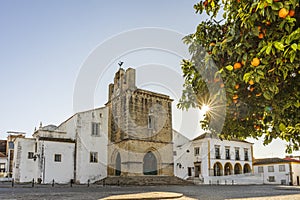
(130, 136)
(139, 129)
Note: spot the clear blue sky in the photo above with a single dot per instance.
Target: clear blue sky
(43, 45)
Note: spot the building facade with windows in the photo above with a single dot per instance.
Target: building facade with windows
(75, 150)
(211, 157)
(3, 158)
(130, 136)
(278, 171)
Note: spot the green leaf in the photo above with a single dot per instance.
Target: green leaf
(292, 57)
(282, 127)
(260, 72)
(277, 5)
(267, 95)
(247, 76)
(269, 48)
(294, 46)
(279, 46)
(229, 67)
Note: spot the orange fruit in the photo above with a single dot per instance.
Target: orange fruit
(205, 3)
(255, 62)
(222, 85)
(212, 44)
(261, 36)
(238, 1)
(292, 13)
(283, 13)
(237, 86)
(251, 82)
(259, 28)
(235, 101)
(268, 23)
(235, 97)
(237, 65)
(259, 94)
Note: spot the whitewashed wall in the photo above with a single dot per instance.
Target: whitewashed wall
(24, 169)
(183, 151)
(279, 176)
(61, 172)
(87, 143)
(295, 172)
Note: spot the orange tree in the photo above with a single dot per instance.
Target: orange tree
(256, 54)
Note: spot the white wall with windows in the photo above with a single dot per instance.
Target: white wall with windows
(274, 173)
(24, 165)
(183, 153)
(92, 145)
(76, 149)
(58, 162)
(223, 157)
(208, 156)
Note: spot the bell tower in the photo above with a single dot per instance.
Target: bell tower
(139, 129)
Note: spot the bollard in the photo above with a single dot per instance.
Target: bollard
(53, 183)
(217, 182)
(103, 182)
(232, 182)
(118, 182)
(209, 182)
(71, 183)
(89, 183)
(12, 182)
(225, 182)
(32, 184)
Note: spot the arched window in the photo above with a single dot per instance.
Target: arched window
(227, 169)
(237, 168)
(218, 169)
(247, 168)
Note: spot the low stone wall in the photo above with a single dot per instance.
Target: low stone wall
(241, 179)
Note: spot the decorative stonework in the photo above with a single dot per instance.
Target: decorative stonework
(140, 121)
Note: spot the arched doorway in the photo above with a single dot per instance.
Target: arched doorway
(227, 169)
(150, 164)
(247, 168)
(118, 165)
(218, 169)
(237, 168)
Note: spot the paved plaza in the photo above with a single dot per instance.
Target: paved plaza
(214, 192)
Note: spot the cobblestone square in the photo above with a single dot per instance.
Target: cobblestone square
(208, 192)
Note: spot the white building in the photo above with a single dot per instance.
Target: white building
(3, 165)
(278, 171)
(75, 150)
(214, 160)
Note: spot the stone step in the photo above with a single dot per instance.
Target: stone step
(143, 180)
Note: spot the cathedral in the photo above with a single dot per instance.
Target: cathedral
(130, 136)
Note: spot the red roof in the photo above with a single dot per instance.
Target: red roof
(292, 160)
